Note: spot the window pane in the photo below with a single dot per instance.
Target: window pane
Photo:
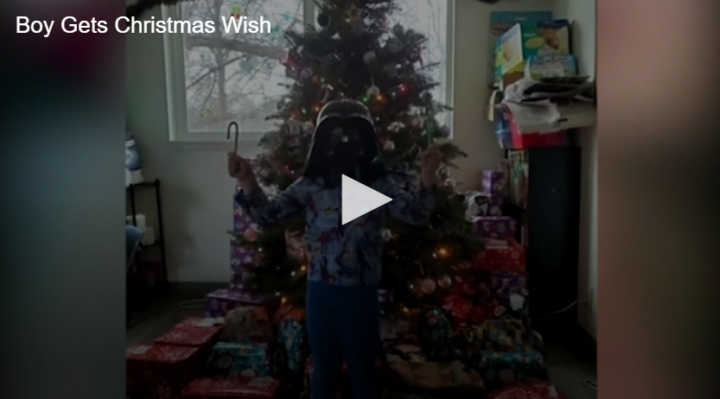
(236, 76)
(430, 18)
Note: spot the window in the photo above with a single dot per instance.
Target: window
(213, 79)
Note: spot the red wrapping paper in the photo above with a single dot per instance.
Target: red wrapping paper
(193, 331)
(540, 390)
(508, 259)
(233, 388)
(160, 371)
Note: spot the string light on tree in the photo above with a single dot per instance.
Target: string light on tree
(445, 282)
(427, 286)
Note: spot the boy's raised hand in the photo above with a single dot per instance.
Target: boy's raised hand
(240, 169)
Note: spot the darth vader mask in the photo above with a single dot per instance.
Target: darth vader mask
(344, 143)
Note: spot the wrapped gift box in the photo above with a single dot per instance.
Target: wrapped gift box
(219, 302)
(494, 182)
(291, 350)
(247, 324)
(241, 259)
(508, 257)
(502, 369)
(488, 205)
(498, 227)
(435, 379)
(160, 371)
(200, 332)
(233, 388)
(240, 255)
(239, 359)
(538, 390)
(503, 293)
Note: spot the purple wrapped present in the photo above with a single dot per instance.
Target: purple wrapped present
(240, 258)
(240, 255)
(489, 205)
(497, 227)
(503, 293)
(494, 182)
(219, 302)
(240, 221)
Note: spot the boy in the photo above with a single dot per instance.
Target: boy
(343, 308)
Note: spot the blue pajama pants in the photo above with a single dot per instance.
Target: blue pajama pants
(343, 324)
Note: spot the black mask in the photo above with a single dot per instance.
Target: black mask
(344, 143)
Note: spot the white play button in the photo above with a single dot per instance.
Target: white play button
(358, 199)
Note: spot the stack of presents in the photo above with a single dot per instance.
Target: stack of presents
(477, 345)
(539, 92)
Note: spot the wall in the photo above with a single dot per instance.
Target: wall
(583, 14)
(197, 194)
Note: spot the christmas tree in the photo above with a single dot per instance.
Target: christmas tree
(354, 54)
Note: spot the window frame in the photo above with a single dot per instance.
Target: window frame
(176, 95)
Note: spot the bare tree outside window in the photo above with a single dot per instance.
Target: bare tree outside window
(238, 77)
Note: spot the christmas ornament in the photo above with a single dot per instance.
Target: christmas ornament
(427, 286)
(370, 58)
(388, 145)
(250, 234)
(373, 91)
(398, 30)
(386, 235)
(444, 282)
(323, 20)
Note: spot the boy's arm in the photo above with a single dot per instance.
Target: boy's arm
(263, 211)
(413, 206)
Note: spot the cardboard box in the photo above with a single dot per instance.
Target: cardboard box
(550, 66)
(555, 37)
(502, 21)
(523, 41)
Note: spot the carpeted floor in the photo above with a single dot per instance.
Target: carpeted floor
(566, 371)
